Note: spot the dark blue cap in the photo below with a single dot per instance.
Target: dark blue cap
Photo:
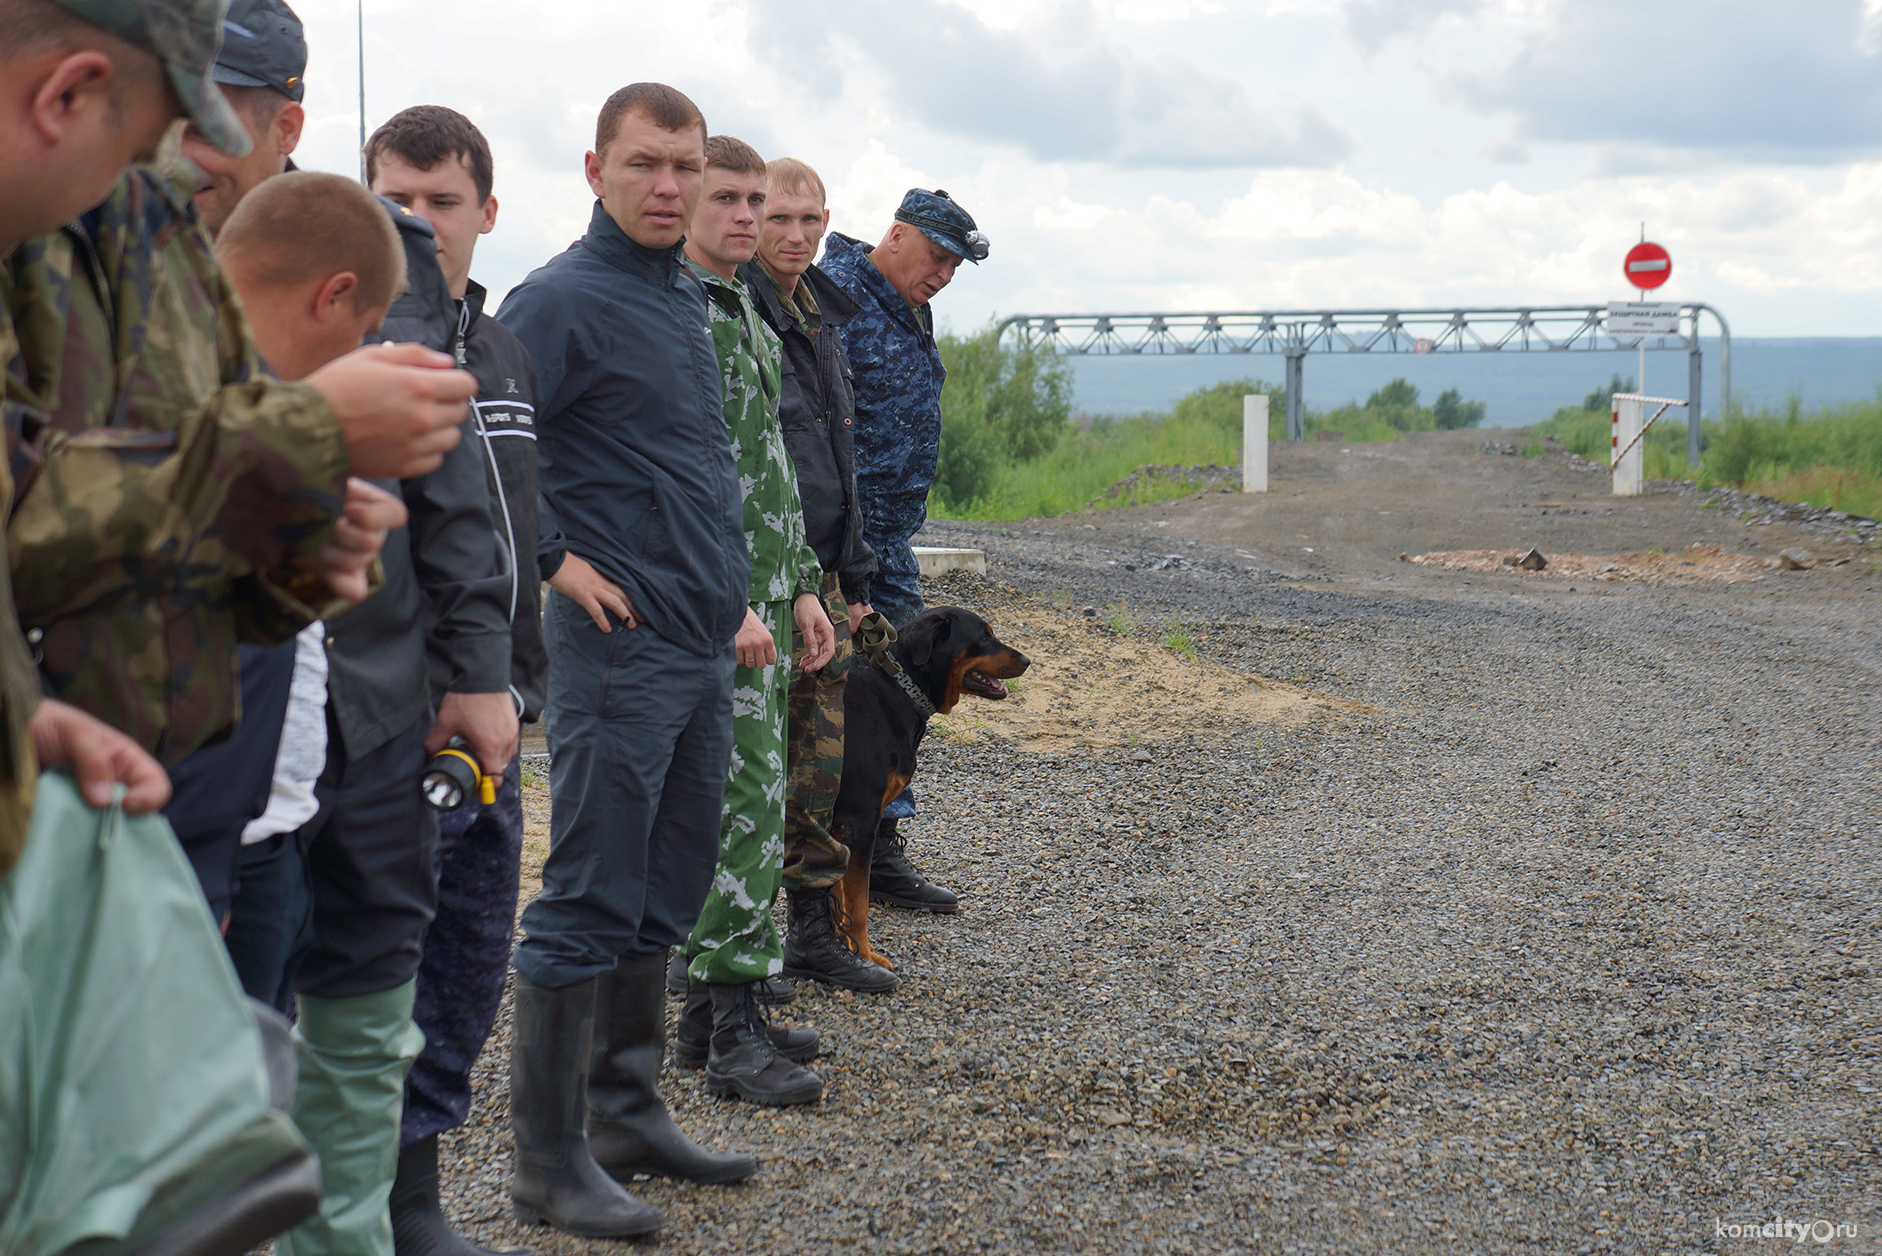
(263, 46)
(936, 216)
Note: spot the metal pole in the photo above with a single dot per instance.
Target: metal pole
(362, 91)
(1296, 409)
(1693, 378)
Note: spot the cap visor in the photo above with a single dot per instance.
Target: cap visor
(235, 78)
(952, 246)
(210, 110)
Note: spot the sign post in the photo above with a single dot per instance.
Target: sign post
(1255, 443)
(1646, 266)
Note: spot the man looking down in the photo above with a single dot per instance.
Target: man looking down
(890, 345)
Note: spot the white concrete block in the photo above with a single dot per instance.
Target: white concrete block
(1255, 443)
(934, 559)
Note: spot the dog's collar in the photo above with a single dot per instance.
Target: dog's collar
(875, 635)
(915, 695)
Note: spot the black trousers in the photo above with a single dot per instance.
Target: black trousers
(371, 870)
(216, 791)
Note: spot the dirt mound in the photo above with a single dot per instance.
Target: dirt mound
(1699, 562)
(1094, 687)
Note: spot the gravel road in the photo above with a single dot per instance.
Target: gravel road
(1572, 946)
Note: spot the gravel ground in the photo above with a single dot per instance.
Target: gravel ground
(1571, 947)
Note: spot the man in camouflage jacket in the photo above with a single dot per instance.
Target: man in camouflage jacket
(157, 71)
(172, 500)
(735, 943)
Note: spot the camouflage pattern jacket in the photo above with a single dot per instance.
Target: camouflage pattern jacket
(168, 492)
(19, 689)
(898, 377)
(751, 359)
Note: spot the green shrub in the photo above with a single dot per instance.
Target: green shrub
(1832, 458)
(1002, 403)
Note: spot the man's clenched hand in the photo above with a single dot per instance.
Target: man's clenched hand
(99, 757)
(486, 721)
(370, 513)
(399, 406)
(754, 644)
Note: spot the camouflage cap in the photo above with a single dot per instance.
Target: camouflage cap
(184, 35)
(936, 216)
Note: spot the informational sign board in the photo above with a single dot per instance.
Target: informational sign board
(1643, 318)
(1647, 265)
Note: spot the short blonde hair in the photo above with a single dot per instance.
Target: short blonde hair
(787, 174)
(304, 225)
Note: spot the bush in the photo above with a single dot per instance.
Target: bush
(1452, 412)
(1002, 403)
(1832, 458)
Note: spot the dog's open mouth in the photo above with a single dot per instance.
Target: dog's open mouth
(982, 685)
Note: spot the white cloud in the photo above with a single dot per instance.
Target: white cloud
(1098, 148)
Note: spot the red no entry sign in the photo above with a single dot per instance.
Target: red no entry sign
(1647, 265)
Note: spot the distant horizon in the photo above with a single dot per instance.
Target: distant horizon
(1517, 389)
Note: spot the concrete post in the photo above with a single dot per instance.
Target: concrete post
(1693, 376)
(1626, 424)
(1255, 443)
(1296, 403)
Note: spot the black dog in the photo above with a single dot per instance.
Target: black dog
(941, 654)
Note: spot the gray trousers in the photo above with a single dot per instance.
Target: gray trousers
(640, 737)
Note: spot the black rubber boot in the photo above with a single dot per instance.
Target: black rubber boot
(418, 1224)
(557, 1181)
(692, 1041)
(629, 1128)
(896, 882)
(742, 1060)
(813, 952)
(770, 990)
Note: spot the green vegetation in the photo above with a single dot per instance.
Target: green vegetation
(1009, 448)
(1179, 639)
(1394, 409)
(1832, 458)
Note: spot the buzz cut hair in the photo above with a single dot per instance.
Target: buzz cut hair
(788, 174)
(726, 153)
(306, 225)
(31, 27)
(425, 135)
(668, 108)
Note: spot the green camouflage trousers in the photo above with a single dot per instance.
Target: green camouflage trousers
(814, 743)
(735, 941)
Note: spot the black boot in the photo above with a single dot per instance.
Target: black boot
(742, 1060)
(692, 1042)
(557, 1181)
(629, 1128)
(418, 1224)
(813, 952)
(770, 990)
(895, 881)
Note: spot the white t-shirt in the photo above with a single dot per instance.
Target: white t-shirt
(303, 754)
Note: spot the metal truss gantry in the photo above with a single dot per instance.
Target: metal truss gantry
(1293, 334)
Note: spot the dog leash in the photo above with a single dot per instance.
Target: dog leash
(873, 635)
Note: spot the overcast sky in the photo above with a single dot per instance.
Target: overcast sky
(1261, 154)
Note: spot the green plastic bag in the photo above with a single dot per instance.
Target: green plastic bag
(132, 1087)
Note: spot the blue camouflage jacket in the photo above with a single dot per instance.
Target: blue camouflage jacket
(898, 376)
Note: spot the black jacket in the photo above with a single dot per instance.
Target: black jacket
(506, 422)
(446, 587)
(818, 414)
(637, 471)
